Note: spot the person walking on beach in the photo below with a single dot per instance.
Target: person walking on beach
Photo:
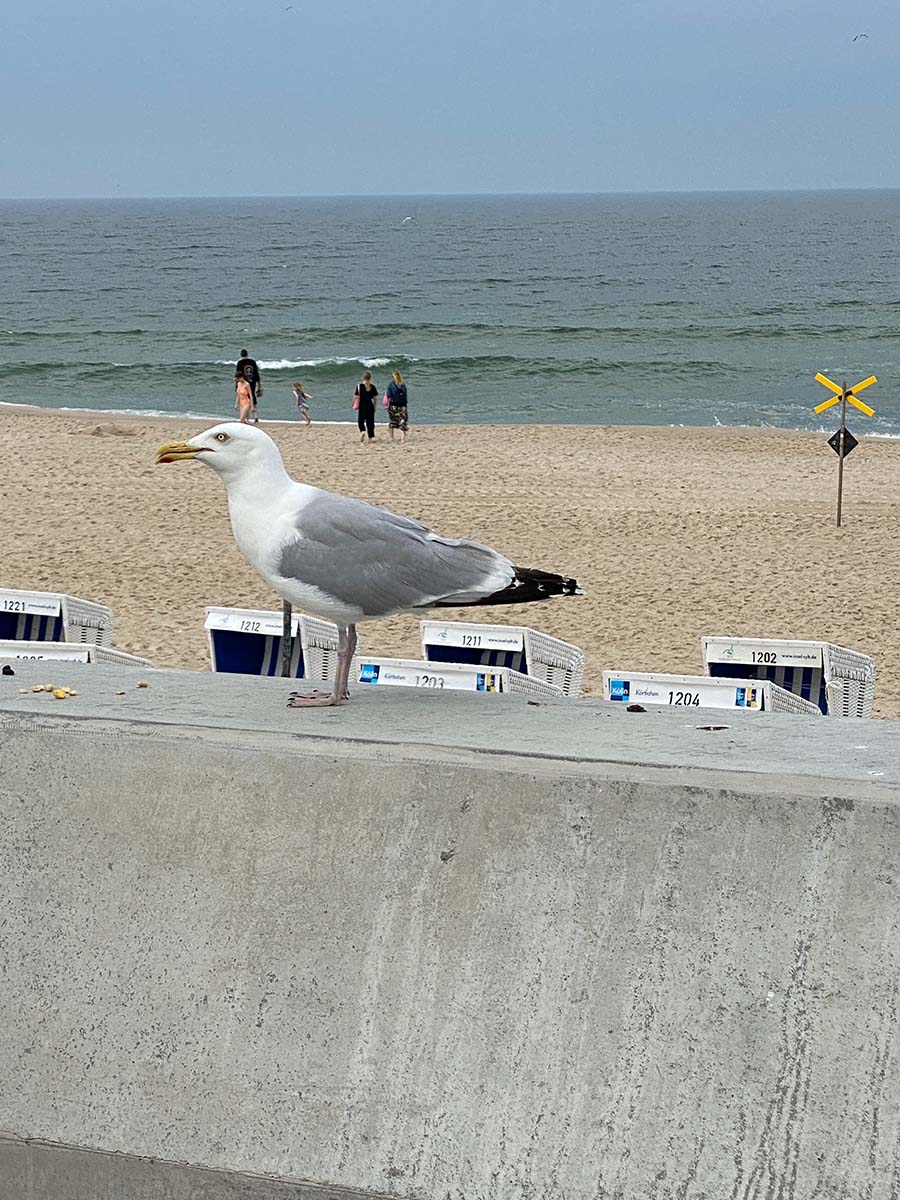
(364, 403)
(303, 400)
(398, 410)
(243, 399)
(246, 368)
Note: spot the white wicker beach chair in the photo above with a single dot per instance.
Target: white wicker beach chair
(840, 681)
(701, 691)
(245, 641)
(53, 617)
(438, 676)
(524, 650)
(81, 652)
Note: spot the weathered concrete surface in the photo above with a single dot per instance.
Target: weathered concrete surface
(46, 1171)
(427, 948)
(394, 720)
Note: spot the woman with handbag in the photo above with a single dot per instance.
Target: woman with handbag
(396, 401)
(364, 403)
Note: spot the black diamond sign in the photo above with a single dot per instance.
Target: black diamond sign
(850, 442)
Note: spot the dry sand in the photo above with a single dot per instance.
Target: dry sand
(673, 533)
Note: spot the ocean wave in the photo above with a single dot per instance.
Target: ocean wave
(506, 368)
(167, 368)
(791, 331)
(289, 364)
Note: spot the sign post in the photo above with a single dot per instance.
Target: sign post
(843, 441)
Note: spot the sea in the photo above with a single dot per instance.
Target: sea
(663, 309)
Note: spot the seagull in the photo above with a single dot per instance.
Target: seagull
(341, 558)
(858, 36)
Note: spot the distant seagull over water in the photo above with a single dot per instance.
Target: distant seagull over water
(858, 36)
(405, 219)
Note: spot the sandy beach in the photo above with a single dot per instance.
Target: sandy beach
(672, 533)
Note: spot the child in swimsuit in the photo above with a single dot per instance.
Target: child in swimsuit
(302, 399)
(244, 399)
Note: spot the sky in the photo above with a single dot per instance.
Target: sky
(273, 98)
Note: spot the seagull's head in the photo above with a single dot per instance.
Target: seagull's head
(231, 449)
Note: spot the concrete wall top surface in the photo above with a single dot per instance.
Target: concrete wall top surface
(587, 735)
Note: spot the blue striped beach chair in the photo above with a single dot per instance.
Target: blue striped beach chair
(702, 691)
(245, 641)
(445, 676)
(515, 647)
(840, 682)
(81, 652)
(53, 617)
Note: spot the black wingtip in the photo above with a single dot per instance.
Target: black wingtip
(528, 586)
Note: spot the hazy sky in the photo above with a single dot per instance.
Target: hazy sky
(250, 97)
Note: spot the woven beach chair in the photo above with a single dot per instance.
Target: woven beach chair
(524, 650)
(441, 676)
(245, 641)
(702, 691)
(81, 652)
(53, 617)
(840, 681)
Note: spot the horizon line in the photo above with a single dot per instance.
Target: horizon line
(459, 195)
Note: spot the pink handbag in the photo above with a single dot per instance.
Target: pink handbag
(385, 401)
(356, 400)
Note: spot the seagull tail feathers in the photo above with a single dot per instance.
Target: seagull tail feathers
(528, 585)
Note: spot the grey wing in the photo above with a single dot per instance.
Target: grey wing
(383, 563)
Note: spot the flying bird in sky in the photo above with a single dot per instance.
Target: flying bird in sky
(858, 36)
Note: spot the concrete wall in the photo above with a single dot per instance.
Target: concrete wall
(49, 1171)
(413, 973)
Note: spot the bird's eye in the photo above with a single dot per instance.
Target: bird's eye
(221, 437)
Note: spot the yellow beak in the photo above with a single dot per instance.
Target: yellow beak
(175, 452)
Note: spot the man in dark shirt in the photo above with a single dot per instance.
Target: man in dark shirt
(246, 368)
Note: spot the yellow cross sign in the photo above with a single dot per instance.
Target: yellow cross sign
(851, 394)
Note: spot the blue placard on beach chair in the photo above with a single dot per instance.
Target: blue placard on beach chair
(245, 641)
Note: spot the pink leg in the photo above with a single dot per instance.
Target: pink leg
(311, 700)
(345, 662)
(346, 650)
